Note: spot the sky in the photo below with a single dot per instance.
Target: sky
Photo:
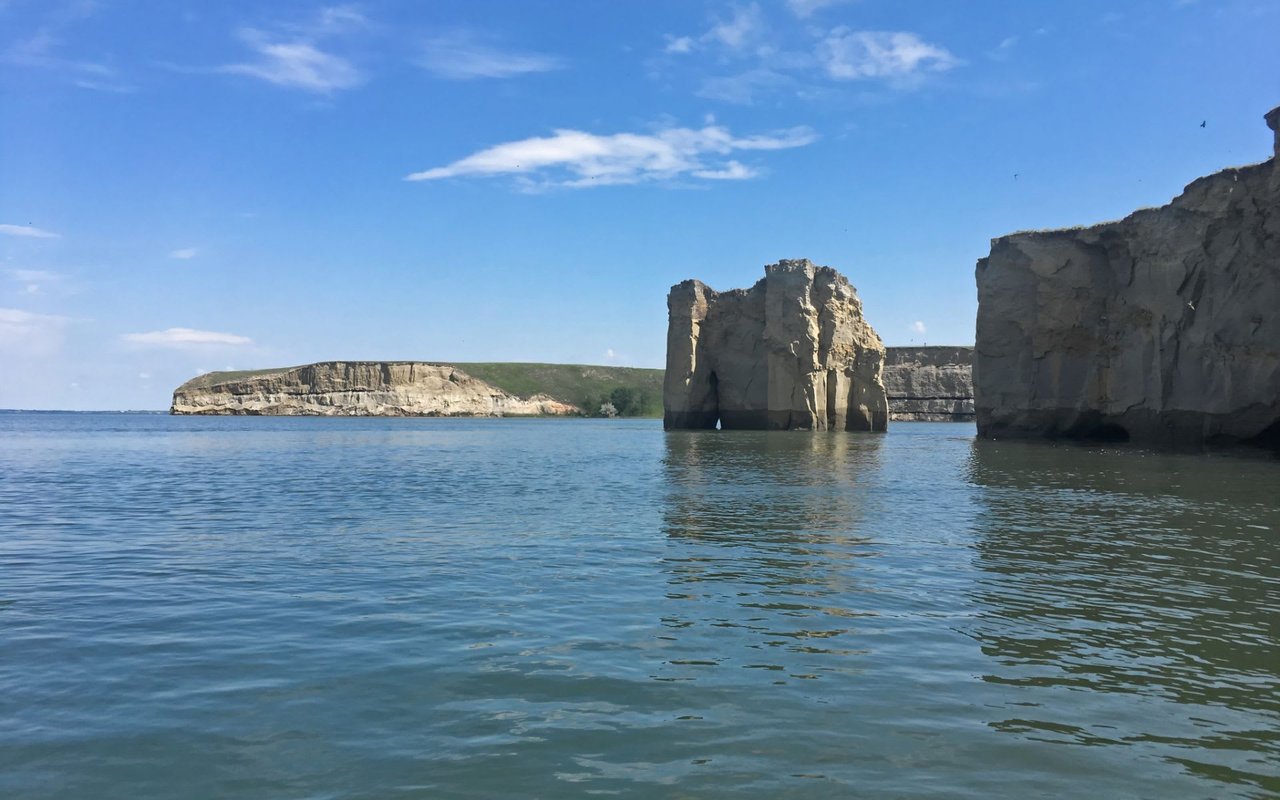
(189, 185)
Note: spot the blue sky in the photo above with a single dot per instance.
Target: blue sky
(187, 186)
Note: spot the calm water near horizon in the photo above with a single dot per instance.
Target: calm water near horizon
(378, 608)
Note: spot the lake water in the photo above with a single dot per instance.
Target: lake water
(384, 608)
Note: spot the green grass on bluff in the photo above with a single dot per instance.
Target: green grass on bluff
(634, 392)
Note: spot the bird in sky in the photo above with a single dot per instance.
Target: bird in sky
(1202, 122)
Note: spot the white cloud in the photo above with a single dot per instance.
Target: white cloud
(918, 326)
(744, 88)
(297, 64)
(27, 231)
(336, 20)
(578, 159)
(184, 253)
(144, 376)
(853, 55)
(29, 334)
(459, 56)
(739, 30)
(34, 275)
(40, 51)
(805, 8)
(744, 26)
(679, 44)
(732, 171)
(1002, 51)
(186, 337)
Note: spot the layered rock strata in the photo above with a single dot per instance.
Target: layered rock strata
(791, 352)
(929, 384)
(1162, 328)
(361, 389)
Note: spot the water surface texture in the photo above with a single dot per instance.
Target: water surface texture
(380, 608)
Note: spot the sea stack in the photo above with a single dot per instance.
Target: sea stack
(792, 352)
(1161, 329)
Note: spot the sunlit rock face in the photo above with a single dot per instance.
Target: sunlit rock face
(792, 352)
(1162, 328)
(359, 389)
(930, 383)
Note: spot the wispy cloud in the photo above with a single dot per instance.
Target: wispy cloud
(1002, 50)
(44, 50)
(743, 27)
(184, 253)
(578, 159)
(744, 88)
(855, 55)
(918, 327)
(806, 8)
(186, 337)
(679, 44)
(296, 64)
(740, 29)
(334, 20)
(291, 54)
(28, 231)
(35, 281)
(26, 333)
(731, 171)
(463, 56)
(34, 275)
(750, 55)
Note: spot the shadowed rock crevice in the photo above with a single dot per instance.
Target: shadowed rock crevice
(792, 352)
(1161, 328)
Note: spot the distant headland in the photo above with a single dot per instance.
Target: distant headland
(924, 384)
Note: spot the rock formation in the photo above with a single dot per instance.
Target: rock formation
(359, 388)
(929, 384)
(1162, 328)
(791, 352)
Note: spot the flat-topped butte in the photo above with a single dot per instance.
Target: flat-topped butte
(419, 388)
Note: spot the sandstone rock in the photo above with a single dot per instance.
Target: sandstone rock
(929, 384)
(791, 352)
(361, 389)
(1162, 328)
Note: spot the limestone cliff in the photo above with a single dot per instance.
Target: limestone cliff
(1162, 328)
(791, 352)
(358, 388)
(929, 384)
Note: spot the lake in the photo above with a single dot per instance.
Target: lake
(446, 608)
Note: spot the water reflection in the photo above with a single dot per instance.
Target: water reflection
(764, 533)
(1130, 599)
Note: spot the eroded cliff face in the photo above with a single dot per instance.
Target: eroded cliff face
(929, 384)
(791, 352)
(1162, 328)
(361, 389)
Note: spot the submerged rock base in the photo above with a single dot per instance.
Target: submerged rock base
(792, 352)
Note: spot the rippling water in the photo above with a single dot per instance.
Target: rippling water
(361, 608)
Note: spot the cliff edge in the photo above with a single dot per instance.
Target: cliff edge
(359, 388)
(1161, 328)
